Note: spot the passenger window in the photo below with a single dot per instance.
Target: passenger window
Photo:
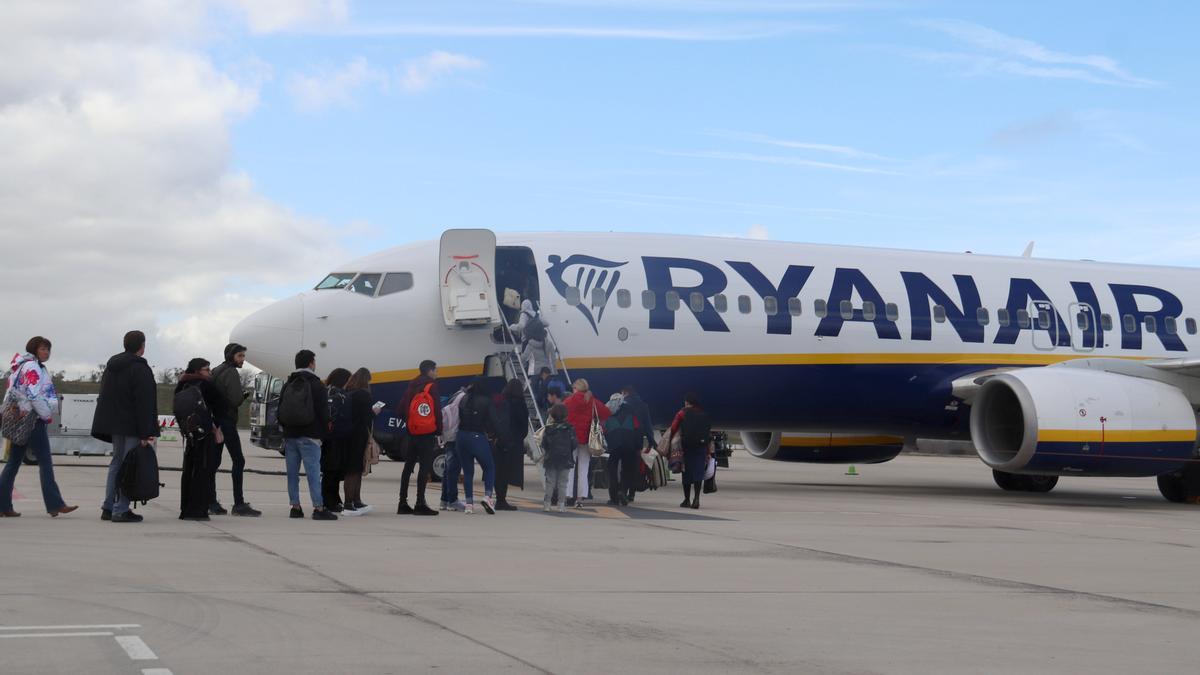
(649, 300)
(366, 284)
(721, 303)
(696, 300)
(1106, 322)
(1129, 323)
(868, 310)
(771, 305)
(673, 301)
(819, 308)
(1043, 319)
(1170, 325)
(572, 296)
(795, 307)
(1191, 326)
(939, 314)
(1022, 318)
(624, 299)
(846, 309)
(1082, 320)
(744, 304)
(396, 282)
(892, 311)
(1003, 318)
(336, 280)
(981, 316)
(1151, 325)
(599, 297)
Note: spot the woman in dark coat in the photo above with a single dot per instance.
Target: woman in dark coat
(199, 455)
(695, 457)
(510, 446)
(333, 447)
(362, 415)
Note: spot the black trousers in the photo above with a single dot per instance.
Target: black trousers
(234, 443)
(622, 473)
(422, 450)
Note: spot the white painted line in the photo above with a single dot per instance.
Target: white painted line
(135, 648)
(115, 626)
(156, 671)
(15, 636)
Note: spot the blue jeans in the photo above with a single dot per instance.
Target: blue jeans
(450, 475)
(39, 442)
(473, 446)
(113, 501)
(307, 450)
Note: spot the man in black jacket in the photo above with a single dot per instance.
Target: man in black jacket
(126, 416)
(631, 425)
(302, 441)
(228, 381)
(422, 444)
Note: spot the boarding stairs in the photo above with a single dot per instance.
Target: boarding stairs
(516, 366)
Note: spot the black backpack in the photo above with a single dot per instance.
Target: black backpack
(695, 430)
(138, 476)
(535, 328)
(296, 404)
(192, 415)
(558, 440)
(340, 415)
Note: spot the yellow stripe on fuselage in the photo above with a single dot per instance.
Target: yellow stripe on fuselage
(1117, 436)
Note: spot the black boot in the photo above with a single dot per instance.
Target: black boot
(403, 509)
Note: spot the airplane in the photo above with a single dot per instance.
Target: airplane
(813, 353)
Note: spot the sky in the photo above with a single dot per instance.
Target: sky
(172, 165)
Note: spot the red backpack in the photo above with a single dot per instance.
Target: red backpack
(421, 420)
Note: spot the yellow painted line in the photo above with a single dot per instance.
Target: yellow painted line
(840, 442)
(1117, 436)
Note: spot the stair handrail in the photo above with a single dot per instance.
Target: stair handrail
(556, 355)
(516, 352)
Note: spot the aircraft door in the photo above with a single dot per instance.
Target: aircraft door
(1085, 327)
(467, 266)
(1044, 323)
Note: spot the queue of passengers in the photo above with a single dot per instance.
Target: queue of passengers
(327, 427)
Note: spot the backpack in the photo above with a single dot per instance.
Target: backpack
(450, 415)
(695, 429)
(138, 475)
(296, 404)
(621, 429)
(558, 440)
(340, 415)
(535, 329)
(421, 420)
(192, 415)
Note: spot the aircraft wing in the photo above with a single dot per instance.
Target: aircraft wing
(1190, 367)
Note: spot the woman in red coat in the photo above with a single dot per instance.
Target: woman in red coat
(581, 407)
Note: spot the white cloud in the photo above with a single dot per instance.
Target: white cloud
(420, 74)
(116, 186)
(335, 87)
(265, 16)
(1018, 56)
(723, 33)
(758, 232)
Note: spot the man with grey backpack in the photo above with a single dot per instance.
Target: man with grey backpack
(304, 416)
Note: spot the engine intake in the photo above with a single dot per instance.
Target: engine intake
(1053, 421)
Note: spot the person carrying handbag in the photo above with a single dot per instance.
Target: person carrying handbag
(691, 448)
(28, 407)
(584, 412)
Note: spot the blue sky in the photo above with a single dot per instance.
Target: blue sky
(949, 126)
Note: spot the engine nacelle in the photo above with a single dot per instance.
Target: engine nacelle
(823, 448)
(1054, 421)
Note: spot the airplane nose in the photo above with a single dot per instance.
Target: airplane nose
(273, 335)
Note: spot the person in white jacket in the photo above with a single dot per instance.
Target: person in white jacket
(31, 390)
(536, 353)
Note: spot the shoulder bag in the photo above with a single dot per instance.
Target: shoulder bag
(596, 443)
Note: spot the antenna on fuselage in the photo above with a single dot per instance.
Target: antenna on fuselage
(1028, 251)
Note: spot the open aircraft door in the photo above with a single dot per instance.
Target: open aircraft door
(468, 272)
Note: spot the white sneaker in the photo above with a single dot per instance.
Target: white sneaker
(488, 505)
(365, 509)
(457, 506)
(468, 509)
(561, 508)
(352, 513)
(546, 508)
(445, 506)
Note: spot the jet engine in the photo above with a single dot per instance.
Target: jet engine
(1058, 421)
(822, 448)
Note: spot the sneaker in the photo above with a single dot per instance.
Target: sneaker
(350, 512)
(323, 514)
(445, 506)
(423, 510)
(297, 512)
(562, 509)
(545, 508)
(360, 506)
(488, 505)
(403, 509)
(245, 510)
(215, 509)
(505, 506)
(105, 514)
(126, 517)
(362, 509)
(468, 509)
(579, 504)
(336, 508)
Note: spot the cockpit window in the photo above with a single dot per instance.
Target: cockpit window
(336, 280)
(394, 282)
(366, 284)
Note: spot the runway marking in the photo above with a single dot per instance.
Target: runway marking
(15, 636)
(136, 648)
(117, 626)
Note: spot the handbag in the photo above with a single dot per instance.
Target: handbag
(711, 469)
(710, 485)
(596, 443)
(370, 455)
(676, 454)
(14, 426)
(534, 446)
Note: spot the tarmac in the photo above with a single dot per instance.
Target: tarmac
(921, 565)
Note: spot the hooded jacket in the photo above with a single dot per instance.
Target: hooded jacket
(228, 381)
(32, 387)
(128, 403)
(319, 428)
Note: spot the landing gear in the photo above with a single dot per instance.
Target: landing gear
(1015, 482)
(1182, 485)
